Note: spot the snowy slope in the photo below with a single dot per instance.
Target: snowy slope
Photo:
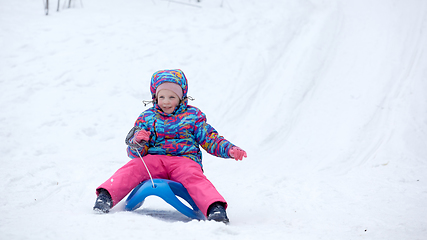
(327, 97)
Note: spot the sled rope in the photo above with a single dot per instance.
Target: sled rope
(135, 145)
(149, 174)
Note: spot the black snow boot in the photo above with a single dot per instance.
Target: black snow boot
(216, 212)
(103, 202)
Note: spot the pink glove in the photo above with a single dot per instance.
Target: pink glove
(237, 153)
(142, 135)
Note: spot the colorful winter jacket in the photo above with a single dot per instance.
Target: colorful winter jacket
(179, 133)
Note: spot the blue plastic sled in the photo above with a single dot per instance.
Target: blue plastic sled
(167, 190)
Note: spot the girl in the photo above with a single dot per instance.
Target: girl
(168, 139)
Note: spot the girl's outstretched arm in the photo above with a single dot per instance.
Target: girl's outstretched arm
(209, 138)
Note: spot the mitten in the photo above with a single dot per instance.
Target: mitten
(237, 153)
(142, 135)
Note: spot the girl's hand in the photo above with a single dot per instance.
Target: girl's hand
(142, 135)
(237, 153)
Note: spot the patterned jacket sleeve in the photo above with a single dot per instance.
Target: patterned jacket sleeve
(209, 138)
(133, 153)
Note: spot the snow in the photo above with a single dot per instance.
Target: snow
(328, 97)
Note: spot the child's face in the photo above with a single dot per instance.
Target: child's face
(167, 100)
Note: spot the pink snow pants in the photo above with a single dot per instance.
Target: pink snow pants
(179, 169)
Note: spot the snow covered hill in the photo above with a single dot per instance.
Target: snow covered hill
(329, 99)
